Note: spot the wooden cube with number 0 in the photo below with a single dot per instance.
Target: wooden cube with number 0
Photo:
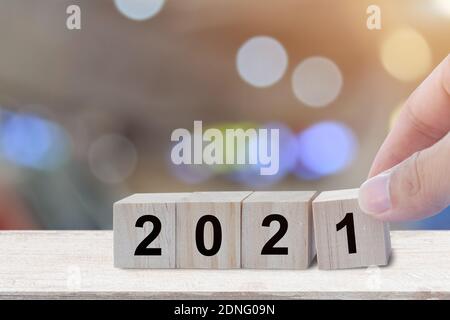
(277, 230)
(345, 236)
(144, 230)
(209, 230)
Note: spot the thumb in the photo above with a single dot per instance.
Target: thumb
(414, 189)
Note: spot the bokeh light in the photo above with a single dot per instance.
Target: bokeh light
(442, 7)
(287, 147)
(406, 55)
(230, 147)
(262, 61)
(112, 158)
(317, 81)
(250, 175)
(139, 9)
(326, 148)
(31, 141)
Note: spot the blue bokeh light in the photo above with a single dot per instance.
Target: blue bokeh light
(139, 9)
(325, 148)
(30, 141)
(250, 175)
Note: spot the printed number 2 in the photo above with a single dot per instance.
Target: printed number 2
(142, 249)
(269, 248)
(349, 223)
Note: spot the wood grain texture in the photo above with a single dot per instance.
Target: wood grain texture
(373, 245)
(295, 207)
(226, 207)
(127, 236)
(79, 264)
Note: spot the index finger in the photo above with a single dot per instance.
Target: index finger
(423, 120)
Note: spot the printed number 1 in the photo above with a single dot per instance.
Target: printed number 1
(349, 223)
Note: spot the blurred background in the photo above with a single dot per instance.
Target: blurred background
(86, 115)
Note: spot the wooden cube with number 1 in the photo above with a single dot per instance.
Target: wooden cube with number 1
(345, 236)
(144, 230)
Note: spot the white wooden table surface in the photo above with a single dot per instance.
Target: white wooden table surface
(78, 264)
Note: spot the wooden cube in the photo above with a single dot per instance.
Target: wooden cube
(209, 230)
(144, 230)
(277, 230)
(345, 236)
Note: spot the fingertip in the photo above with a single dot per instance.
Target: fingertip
(374, 195)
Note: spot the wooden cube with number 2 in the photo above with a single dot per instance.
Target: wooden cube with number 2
(277, 230)
(144, 230)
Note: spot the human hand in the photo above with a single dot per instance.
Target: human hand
(410, 176)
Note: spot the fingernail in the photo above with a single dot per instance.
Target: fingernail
(374, 195)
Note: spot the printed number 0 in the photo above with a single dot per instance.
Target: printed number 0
(269, 248)
(351, 239)
(200, 235)
(142, 249)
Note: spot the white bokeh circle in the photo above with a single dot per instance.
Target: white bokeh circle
(139, 9)
(112, 158)
(262, 61)
(317, 81)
